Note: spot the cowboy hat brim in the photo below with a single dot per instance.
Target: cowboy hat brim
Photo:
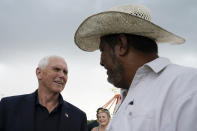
(87, 36)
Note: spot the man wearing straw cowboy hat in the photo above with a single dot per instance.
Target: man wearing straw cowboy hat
(161, 96)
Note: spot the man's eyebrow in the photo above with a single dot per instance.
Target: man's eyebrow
(54, 67)
(65, 70)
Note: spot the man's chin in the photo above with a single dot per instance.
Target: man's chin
(113, 82)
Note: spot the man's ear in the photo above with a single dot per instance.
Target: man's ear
(38, 73)
(123, 46)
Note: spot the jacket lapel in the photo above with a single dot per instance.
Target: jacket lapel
(27, 114)
(65, 122)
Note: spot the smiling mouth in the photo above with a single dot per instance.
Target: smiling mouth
(109, 73)
(59, 83)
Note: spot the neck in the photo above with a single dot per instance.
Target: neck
(133, 63)
(48, 99)
(102, 127)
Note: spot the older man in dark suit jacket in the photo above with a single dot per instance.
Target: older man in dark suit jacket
(44, 109)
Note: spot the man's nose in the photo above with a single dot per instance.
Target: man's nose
(101, 61)
(61, 73)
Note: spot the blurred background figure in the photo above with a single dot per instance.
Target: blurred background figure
(103, 118)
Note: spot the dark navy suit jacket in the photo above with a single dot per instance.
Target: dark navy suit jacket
(17, 114)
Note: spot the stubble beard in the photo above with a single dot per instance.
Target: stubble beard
(116, 75)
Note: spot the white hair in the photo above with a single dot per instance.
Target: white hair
(44, 61)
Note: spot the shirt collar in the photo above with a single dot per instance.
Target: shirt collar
(158, 64)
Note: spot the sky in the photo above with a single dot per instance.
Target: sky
(32, 29)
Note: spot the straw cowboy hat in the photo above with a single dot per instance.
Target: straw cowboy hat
(132, 19)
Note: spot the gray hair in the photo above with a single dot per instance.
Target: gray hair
(44, 61)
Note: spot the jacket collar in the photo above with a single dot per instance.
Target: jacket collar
(28, 115)
(60, 99)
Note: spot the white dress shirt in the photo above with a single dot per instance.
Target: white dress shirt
(161, 97)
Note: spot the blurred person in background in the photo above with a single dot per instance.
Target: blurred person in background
(103, 118)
